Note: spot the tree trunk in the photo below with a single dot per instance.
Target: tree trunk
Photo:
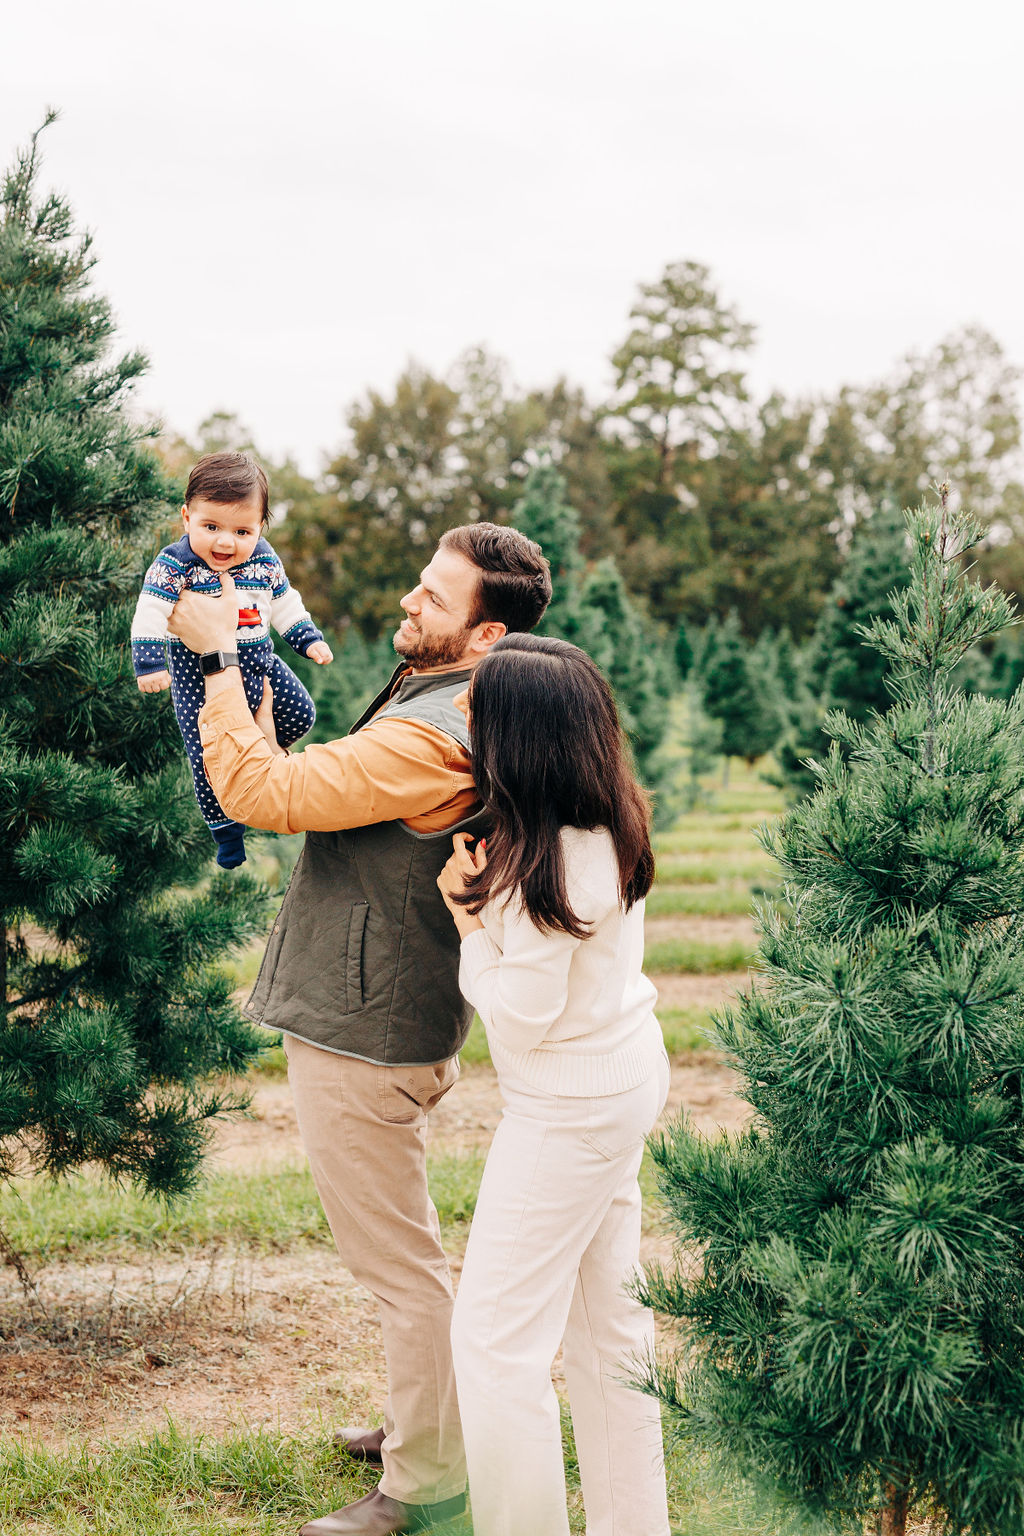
(894, 1516)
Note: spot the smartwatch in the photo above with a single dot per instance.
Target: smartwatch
(217, 661)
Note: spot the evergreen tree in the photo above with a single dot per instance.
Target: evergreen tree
(702, 739)
(543, 514)
(343, 690)
(704, 642)
(854, 1319)
(611, 630)
(735, 695)
(683, 652)
(777, 679)
(841, 671)
(595, 612)
(114, 1014)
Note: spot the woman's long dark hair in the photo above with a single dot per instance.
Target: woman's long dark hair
(548, 753)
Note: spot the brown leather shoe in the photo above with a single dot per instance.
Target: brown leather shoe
(361, 1444)
(377, 1515)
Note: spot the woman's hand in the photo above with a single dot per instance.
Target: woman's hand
(460, 868)
(264, 717)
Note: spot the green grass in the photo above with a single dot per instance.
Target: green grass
(260, 1482)
(680, 1026)
(724, 900)
(693, 957)
(174, 1483)
(739, 839)
(266, 1211)
(684, 1030)
(683, 869)
(475, 1053)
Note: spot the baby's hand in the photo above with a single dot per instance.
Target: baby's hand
(320, 652)
(154, 682)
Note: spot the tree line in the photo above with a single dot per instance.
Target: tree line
(707, 499)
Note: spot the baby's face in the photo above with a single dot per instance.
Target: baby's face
(223, 533)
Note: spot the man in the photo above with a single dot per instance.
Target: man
(361, 970)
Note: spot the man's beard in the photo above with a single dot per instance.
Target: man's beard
(442, 651)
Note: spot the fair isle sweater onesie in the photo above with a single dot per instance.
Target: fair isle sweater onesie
(262, 583)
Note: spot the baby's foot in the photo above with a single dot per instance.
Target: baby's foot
(230, 842)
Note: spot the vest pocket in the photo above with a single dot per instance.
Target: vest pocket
(354, 957)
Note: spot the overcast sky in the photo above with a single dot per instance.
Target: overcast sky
(290, 200)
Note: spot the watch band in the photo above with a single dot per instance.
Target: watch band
(217, 661)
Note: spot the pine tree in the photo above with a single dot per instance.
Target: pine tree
(735, 694)
(702, 739)
(853, 1320)
(595, 611)
(543, 514)
(683, 651)
(114, 1016)
(841, 671)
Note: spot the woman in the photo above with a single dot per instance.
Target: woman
(551, 922)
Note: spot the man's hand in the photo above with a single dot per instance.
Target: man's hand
(320, 652)
(207, 623)
(154, 682)
(264, 717)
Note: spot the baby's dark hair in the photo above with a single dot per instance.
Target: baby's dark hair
(229, 477)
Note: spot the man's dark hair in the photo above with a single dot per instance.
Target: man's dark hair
(229, 477)
(515, 579)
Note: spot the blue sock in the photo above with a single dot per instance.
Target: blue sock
(230, 842)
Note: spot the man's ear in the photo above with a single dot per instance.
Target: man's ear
(486, 634)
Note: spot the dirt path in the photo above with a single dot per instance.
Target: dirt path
(223, 1337)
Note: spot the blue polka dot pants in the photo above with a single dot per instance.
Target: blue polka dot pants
(294, 713)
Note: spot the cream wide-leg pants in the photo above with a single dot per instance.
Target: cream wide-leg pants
(555, 1238)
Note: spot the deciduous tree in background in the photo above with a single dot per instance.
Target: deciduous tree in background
(115, 1014)
(852, 1308)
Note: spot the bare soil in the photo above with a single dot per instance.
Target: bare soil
(223, 1337)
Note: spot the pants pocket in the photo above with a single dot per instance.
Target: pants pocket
(617, 1123)
(406, 1093)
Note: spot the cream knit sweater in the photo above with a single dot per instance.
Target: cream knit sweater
(568, 1016)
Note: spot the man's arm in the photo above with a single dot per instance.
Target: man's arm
(399, 770)
(211, 624)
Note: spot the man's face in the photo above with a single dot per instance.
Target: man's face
(436, 630)
(223, 533)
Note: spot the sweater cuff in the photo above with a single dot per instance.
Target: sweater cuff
(148, 656)
(301, 636)
(477, 953)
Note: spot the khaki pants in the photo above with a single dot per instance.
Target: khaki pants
(364, 1128)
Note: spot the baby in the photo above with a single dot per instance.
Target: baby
(226, 510)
